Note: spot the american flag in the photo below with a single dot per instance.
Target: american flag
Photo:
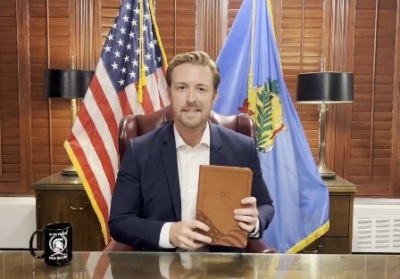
(129, 79)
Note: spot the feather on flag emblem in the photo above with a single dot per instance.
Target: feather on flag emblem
(268, 115)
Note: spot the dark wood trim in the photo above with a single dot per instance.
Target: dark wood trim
(96, 33)
(350, 67)
(395, 162)
(51, 160)
(277, 14)
(24, 94)
(72, 31)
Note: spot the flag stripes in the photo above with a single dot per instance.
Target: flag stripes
(132, 55)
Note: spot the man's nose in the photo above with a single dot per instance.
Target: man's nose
(191, 96)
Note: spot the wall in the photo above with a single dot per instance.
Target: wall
(361, 36)
(18, 219)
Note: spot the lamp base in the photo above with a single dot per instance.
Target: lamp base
(69, 171)
(325, 172)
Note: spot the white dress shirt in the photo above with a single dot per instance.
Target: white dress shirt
(189, 161)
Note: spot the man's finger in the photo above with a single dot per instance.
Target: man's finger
(199, 225)
(249, 200)
(246, 211)
(246, 227)
(198, 236)
(246, 219)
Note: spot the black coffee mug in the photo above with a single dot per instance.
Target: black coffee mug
(57, 243)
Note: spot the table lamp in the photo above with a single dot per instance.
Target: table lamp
(324, 88)
(68, 84)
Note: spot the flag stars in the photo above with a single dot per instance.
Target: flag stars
(132, 74)
(120, 42)
(131, 42)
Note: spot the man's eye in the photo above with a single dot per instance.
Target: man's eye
(202, 89)
(181, 87)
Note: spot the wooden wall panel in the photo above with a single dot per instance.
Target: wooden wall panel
(299, 33)
(361, 36)
(338, 40)
(372, 122)
(41, 159)
(396, 113)
(59, 57)
(176, 20)
(10, 141)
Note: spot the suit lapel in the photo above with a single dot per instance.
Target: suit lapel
(217, 156)
(171, 169)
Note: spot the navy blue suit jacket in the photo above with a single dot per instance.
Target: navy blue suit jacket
(147, 192)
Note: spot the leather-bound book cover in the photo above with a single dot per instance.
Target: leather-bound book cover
(220, 191)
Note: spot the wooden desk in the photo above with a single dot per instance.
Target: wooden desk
(60, 198)
(63, 199)
(338, 240)
(20, 264)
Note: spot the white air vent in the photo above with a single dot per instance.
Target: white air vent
(376, 226)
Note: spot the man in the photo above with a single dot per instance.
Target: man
(154, 201)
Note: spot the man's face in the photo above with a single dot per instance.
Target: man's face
(192, 95)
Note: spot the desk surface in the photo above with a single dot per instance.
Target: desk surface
(86, 265)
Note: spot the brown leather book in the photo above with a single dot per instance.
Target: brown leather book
(220, 191)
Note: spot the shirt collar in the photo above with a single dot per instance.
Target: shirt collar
(204, 140)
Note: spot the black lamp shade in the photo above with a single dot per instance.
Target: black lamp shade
(68, 84)
(329, 87)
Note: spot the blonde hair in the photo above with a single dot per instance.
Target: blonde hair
(197, 58)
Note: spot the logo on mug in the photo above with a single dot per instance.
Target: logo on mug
(58, 243)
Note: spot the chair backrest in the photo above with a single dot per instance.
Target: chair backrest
(135, 125)
(132, 126)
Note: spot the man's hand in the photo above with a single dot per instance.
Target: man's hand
(182, 234)
(248, 215)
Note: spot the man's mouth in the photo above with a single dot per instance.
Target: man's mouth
(192, 110)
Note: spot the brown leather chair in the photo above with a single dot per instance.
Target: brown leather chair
(132, 126)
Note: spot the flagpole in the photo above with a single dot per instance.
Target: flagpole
(164, 57)
(250, 94)
(141, 80)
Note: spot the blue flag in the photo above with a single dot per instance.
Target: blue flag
(252, 82)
